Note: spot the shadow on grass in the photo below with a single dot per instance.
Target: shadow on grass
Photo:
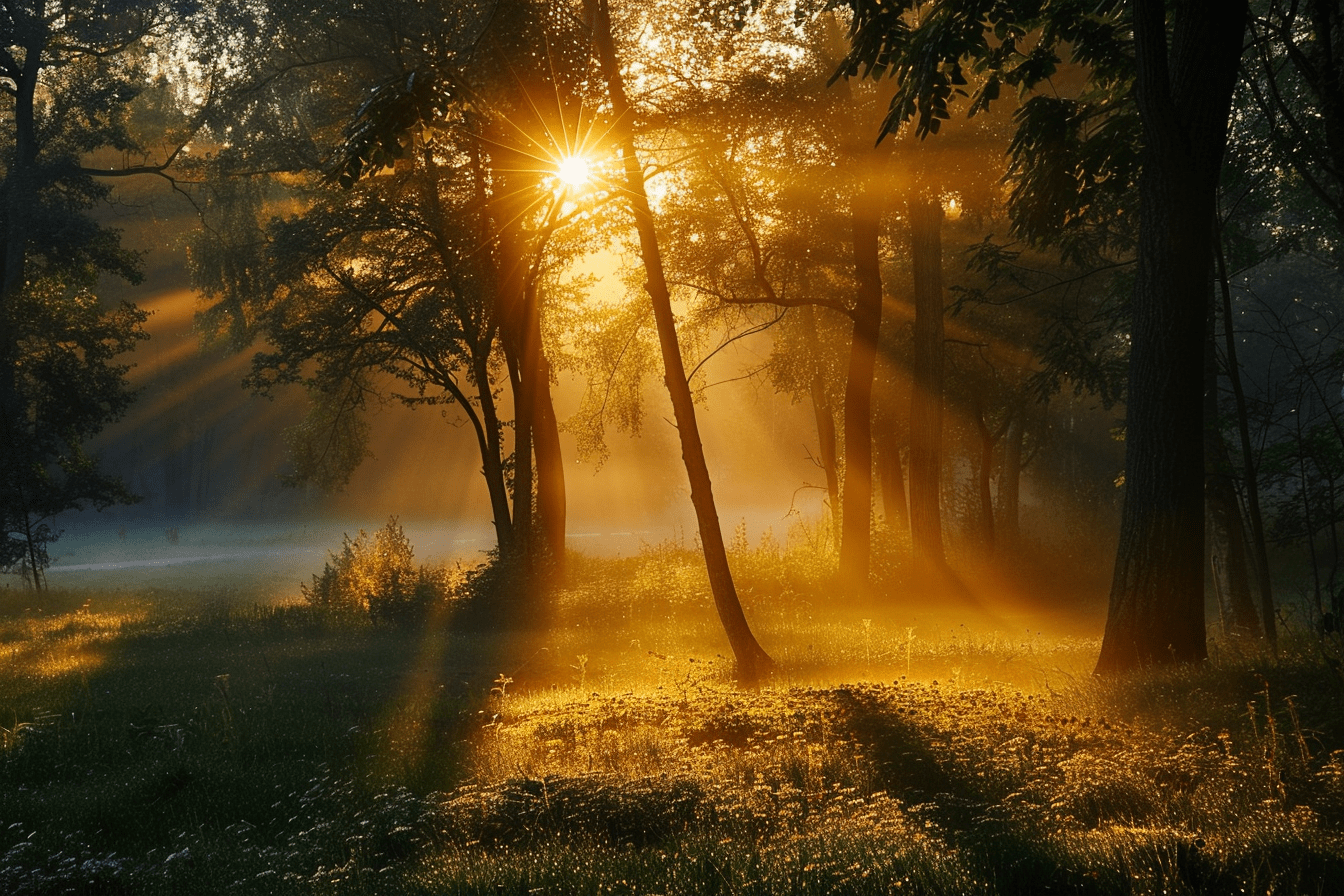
(251, 725)
(1096, 835)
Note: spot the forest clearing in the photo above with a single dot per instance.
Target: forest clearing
(163, 742)
(1025, 317)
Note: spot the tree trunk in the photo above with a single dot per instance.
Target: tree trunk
(1010, 480)
(551, 502)
(1225, 538)
(1156, 612)
(891, 476)
(492, 459)
(926, 397)
(514, 302)
(752, 661)
(485, 424)
(1250, 474)
(825, 417)
(984, 471)
(16, 203)
(857, 494)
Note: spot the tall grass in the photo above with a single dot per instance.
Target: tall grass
(201, 743)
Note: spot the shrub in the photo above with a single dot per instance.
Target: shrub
(375, 576)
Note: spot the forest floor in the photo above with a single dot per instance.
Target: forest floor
(156, 741)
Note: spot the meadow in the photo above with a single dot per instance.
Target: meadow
(193, 741)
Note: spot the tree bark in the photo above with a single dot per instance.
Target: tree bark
(891, 476)
(825, 417)
(492, 459)
(512, 302)
(551, 498)
(1225, 538)
(984, 472)
(16, 203)
(752, 661)
(926, 398)
(1156, 611)
(1010, 482)
(1250, 473)
(857, 493)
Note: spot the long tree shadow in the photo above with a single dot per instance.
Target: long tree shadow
(1006, 850)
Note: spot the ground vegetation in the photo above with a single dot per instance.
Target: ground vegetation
(193, 741)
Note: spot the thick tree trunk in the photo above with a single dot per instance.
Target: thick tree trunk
(1156, 612)
(752, 661)
(857, 493)
(537, 457)
(926, 397)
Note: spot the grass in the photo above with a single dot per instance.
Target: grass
(186, 742)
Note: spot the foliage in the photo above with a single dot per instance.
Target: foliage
(78, 83)
(374, 576)
(1290, 78)
(69, 387)
(1074, 157)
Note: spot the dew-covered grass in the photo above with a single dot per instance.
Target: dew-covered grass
(193, 742)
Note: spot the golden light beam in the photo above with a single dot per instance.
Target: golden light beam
(574, 171)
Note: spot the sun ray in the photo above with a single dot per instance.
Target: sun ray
(574, 171)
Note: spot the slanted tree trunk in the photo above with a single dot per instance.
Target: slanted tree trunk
(857, 494)
(926, 397)
(1156, 611)
(752, 661)
(486, 424)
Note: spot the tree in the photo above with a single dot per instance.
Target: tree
(69, 387)
(1292, 354)
(454, 100)
(1184, 95)
(71, 82)
(386, 280)
(1184, 76)
(751, 659)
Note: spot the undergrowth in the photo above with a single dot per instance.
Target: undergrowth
(197, 743)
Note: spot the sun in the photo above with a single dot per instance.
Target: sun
(574, 170)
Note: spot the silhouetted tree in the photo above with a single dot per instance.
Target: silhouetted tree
(71, 79)
(751, 659)
(459, 96)
(1184, 72)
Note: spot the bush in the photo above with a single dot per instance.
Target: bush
(375, 576)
